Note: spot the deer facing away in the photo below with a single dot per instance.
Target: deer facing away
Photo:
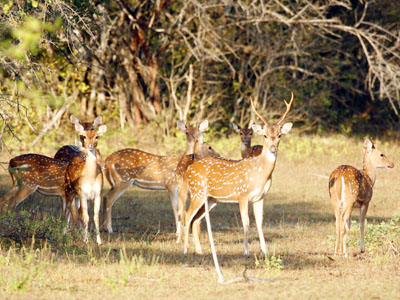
(350, 188)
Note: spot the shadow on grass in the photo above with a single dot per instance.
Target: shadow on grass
(143, 210)
(191, 260)
(141, 215)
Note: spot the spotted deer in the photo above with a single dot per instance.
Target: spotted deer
(84, 179)
(211, 180)
(35, 172)
(128, 167)
(246, 134)
(350, 188)
(68, 152)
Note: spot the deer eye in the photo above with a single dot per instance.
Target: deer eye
(265, 136)
(382, 155)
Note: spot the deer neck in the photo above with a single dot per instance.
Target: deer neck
(369, 169)
(189, 149)
(266, 160)
(90, 168)
(246, 145)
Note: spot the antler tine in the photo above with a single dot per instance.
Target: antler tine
(288, 107)
(255, 111)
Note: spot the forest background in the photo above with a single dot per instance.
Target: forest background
(142, 65)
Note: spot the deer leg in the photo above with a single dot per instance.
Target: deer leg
(345, 230)
(210, 237)
(97, 202)
(173, 196)
(338, 231)
(244, 213)
(195, 205)
(85, 218)
(108, 201)
(258, 210)
(71, 207)
(21, 195)
(7, 196)
(196, 228)
(182, 197)
(196, 224)
(363, 214)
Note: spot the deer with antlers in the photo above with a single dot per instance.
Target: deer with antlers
(211, 180)
(128, 167)
(350, 187)
(84, 179)
(35, 172)
(246, 134)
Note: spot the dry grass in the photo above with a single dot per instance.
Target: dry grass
(142, 260)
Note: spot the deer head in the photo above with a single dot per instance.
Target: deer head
(90, 134)
(272, 132)
(194, 135)
(374, 156)
(246, 134)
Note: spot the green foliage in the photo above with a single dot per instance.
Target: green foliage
(136, 266)
(297, 147)
(27, 36)
(21, 225)
(269, 263)
(20, 269)
(380, 239)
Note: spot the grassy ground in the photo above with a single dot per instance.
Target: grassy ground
(142, 260)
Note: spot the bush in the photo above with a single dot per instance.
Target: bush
(22, 225)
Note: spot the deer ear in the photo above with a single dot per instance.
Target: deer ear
(286, 128)
(79, 128)
(235, 128)
(368, 145)
(98, 121)
(203, 126)
(181, 125)
(102, 130)
(257, 129)
(73, 119)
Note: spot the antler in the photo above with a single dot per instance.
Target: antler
(254, 109)
(288, 107)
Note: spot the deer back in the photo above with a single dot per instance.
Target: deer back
(35, 170)
(67, 153)
(229, 180)
(131, 164)
(354, 181)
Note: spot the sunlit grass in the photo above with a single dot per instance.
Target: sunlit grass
(142, 260)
